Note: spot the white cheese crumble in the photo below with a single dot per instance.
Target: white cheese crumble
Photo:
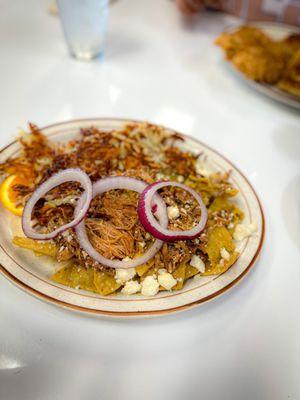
(200, 169)
(150, 286)
(173, 212)
(197, 262)
(242, 231)
(180, 178)
(161, 271)
(224, 254)
(131, 287)
(166, 280)
(203, 172)
(124, 274)
(159, 176)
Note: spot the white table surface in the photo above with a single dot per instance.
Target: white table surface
(245, 345)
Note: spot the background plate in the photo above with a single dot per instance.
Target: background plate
(277, 32)
(32, 273)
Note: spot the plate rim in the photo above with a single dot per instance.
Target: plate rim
(146, 313)
(263, 23)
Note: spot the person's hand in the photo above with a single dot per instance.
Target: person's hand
(190, 7)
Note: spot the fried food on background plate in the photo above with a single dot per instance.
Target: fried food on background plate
(292, 43)
(291, 79)
(259, 64)
(260, 58)
(244, 37)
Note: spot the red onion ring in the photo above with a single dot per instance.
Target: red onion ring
(120, 182)
(67, 175)
(152, 226)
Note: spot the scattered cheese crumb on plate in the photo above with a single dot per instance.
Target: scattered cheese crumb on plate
(225, 254)
(197, 262)
(150, 286)
(166, 280)
(243, 231)
(131, 287)
(173, 212)
(123, 275)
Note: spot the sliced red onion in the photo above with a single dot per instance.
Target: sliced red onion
(151, 225)
(120, 182)
(67, 175)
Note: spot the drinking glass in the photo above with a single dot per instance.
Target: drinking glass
(84, 24)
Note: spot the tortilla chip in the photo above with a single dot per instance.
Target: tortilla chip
(105, 284)
(151, 271)
(76, 277)
(179, 274)
(64, 255)
(142, 269)
(190, 271)
(86, 279)
(201, 185)
(218, 238)
(221, 268)
(222, 203)
(41, 248)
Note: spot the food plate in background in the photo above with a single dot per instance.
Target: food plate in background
(276, 31)
(33, 276)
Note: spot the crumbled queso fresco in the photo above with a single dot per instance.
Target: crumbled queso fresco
(131, 287)
(123, 275)
(197, 262)
(200, 169)
(150, 286)
(242, 231)
(166, 280)
(224, 254)
(173, 212)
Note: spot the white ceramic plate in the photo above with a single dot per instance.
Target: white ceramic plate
(32, 273)
(276, 31)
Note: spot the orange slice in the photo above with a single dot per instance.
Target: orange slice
(8, 196)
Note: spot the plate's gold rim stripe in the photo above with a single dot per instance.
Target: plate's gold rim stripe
(38, 294)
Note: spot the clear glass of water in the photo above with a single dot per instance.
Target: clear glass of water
(84, 23)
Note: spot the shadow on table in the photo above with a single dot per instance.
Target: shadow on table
(118, 44)
(247, 86)
(139, 358)
(287, 141)
(207, 22)
(290, 208)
